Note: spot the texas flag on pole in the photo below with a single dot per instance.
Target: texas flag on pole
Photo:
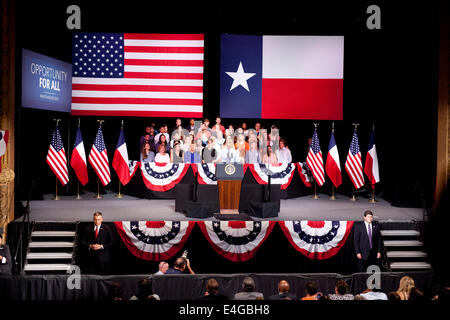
(333, 166)
(281, 77)
(120, 160)
(371, 165)
(78, 159)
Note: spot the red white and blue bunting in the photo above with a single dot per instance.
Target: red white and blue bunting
(133, 165)
(236, 240)
(317, 239)
(301, 168)
(154, 240)
(282, 173)
(162, 176)
(206, 172)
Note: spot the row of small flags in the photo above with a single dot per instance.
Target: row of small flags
(98, 158)
(353, 163)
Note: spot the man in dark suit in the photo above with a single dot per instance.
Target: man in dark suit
(367, 240)
(283, 292)
(5, 259)
(98, 241)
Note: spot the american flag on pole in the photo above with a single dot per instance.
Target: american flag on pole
(353, 164)
(314, 160)
(132, 74)
(56, 158)
(98, 158)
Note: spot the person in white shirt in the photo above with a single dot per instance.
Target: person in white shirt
(162, 156)
(162, 268)
(283, 154)
(252, 155)
(228, 154)
(162, 131)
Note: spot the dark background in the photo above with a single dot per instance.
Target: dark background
(390, 78)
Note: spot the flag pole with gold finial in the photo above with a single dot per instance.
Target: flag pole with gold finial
(98, 196)
(372, 200)
(353, 198)
(315, 196)
(56, 178)
(119, 195)
(333, 197)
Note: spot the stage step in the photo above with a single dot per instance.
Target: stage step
(403, 243)
(47, 267)
(49, 255)
(51, 248)
(406, 254)
(53, 234)
(396, 266)
(404, 249)
(400, 233)
(51, 244)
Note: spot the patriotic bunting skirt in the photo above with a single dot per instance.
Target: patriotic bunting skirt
(234, 240)
(154, 240)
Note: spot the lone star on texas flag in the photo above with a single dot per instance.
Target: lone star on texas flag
(240, 77)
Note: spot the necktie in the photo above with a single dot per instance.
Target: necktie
(192, 157)
(96, 233)
(370, 235)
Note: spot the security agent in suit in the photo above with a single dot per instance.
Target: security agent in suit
(98, 241)
(5, 258)
(367, 241)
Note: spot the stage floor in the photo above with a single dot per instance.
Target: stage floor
(68, 209)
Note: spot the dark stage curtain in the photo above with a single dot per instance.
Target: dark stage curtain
(187, 287)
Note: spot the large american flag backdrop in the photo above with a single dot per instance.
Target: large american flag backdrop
(131, 74)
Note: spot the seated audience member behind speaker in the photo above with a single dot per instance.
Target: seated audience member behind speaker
(98, 241)
(162, 268)
(162, 156)
(270, 158)
(176, 154)
(249, 292)
(192, 156)
(311, 291)
(252, 155)
(148, 136)
(405, 286)
(179, 267)
(145, 287)
(5, 257)
(212, 291)
(283, 153)
(209, 153)
(341, 291)
(283, 292)
(147, 155)
(162, 141)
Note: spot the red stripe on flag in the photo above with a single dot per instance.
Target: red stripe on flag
(158, 36)
(158, 62)
(190, 102)
(124, 113)
(163, 75)
(163, 49)
(317, 99)
(130, 87)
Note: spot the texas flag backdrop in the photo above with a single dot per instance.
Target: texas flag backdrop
(281, 77)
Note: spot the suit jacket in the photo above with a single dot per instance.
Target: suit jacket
(104, 238)
(5, 268)
(361, 239)
(282, 296)
(248, 295)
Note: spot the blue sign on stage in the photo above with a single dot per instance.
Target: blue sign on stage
(46, 82)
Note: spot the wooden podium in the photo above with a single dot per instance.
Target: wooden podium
(229, 179)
